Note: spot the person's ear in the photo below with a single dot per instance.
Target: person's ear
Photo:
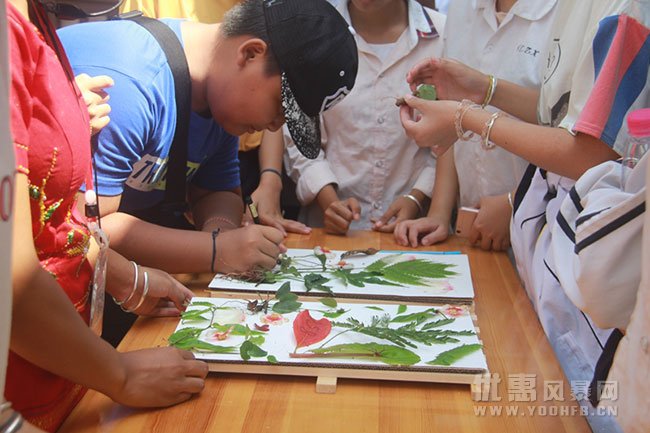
(251, 50)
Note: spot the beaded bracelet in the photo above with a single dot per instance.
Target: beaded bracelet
(135, 286)
(220, 218)
(414, 200)
(487, 129)
(463, 107)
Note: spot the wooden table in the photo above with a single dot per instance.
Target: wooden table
(514, 344)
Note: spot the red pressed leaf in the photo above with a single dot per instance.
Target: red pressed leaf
(263, 328)
(308, 331)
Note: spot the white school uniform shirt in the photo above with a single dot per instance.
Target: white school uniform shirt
(587, 91)
(365, 151)
(513, 51)
(7, 170)
(630, 370)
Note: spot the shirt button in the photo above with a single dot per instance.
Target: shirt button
(380, 119)
(376, 205)
(644, 344)
(379, 164)
(488, 48)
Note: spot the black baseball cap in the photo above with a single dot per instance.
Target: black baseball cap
(82, 9)
(316, 51)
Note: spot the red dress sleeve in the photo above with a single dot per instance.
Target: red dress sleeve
(22, 67)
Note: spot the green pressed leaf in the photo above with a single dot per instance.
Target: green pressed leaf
(415, 317)
(438, 323)
(284, 307)
(283, 291)
(272, 359)
(401, 309)
(410, 272)
(334, 314)
(317, 282)
(250, 350)
(196, 345)
(183, 334)
(427, 91)
(202, 304)
(387, 354)
(451, 356)
(328, 302)
(196, 315)
(375, 308)
(322, 259)
(257, 339)
(237, 329)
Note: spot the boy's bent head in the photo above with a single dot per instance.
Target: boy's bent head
(313, 49)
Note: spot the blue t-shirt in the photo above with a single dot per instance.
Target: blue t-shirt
(133, 149)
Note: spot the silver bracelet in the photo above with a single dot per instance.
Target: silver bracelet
(414, 200)
(145, 290)
(13, 423)
(135, 286)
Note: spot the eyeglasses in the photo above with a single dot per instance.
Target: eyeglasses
(81, 10)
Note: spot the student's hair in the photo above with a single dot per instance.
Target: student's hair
(247, 18)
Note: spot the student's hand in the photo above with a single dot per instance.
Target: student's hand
(339, 214)
(158, 377)
(268, 209)
(401, 209)
(453, 80)
(429, 123)
(248, 248)
(491, 228)
(96, 99)
(424, 231)
(166, 296)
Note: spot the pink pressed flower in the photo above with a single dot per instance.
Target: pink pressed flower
(274, 319)
(223, 335)
(455, 310)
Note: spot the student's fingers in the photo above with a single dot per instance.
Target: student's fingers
(413, 235)
(185, 354)
(433, 238)
(387, 228)
(406, 117)
(387, 216)
(272, 234)
(193, 385)
(295, 227)
(99, 82)
(474, 234)
(400, 233)
(341, 209)
(336, 223)
(355, 207)
(486, 243)
(195, 368)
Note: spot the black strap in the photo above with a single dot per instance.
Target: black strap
(175, 185)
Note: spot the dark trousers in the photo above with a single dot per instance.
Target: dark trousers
(116, 322)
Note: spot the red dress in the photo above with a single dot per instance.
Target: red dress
(50, 127)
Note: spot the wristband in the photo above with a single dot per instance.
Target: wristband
(492, 87)
(214, 247)
(145, 290)
(271, 170)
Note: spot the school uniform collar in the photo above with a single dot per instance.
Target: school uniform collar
(532, 10)
(420, 23)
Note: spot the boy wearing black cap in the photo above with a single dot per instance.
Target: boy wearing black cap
(267, 62)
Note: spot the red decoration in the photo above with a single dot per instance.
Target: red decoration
(308, 331)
